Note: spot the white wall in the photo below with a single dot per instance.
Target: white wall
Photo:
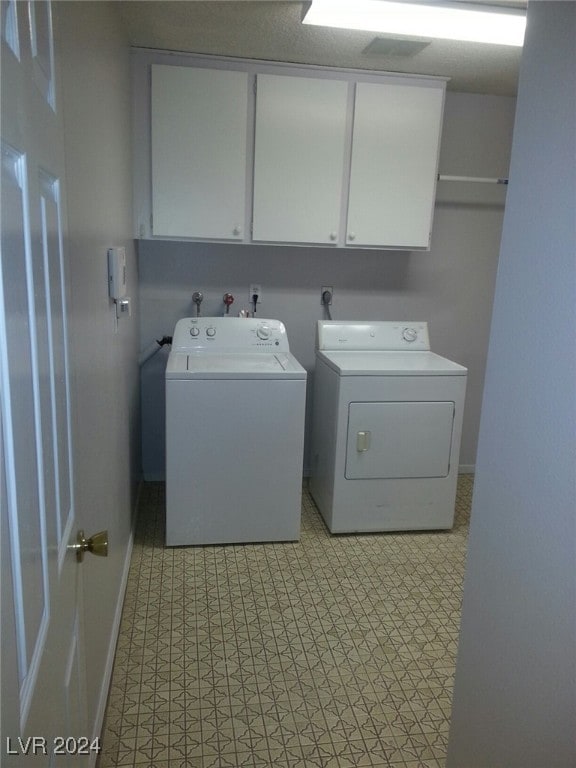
(515, 692)
(94, 61)
(451, 287)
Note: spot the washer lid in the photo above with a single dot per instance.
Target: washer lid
(205, 365)
(382, 363)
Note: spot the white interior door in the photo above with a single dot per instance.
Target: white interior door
(43, 700)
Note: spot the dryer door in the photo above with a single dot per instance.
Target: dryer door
(399, 439)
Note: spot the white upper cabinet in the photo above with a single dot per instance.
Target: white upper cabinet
(299, 159)
(199, 130)
(259, 152)
(395, 147)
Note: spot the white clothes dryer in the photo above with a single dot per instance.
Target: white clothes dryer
(235, 401)
(387, 421)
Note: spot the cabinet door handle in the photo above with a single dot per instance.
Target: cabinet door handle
(333, 236)
(363, 440)
(351, 236)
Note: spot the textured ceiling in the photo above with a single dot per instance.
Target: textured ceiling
(272, 30)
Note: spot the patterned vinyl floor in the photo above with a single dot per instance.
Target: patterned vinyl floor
(333, 652)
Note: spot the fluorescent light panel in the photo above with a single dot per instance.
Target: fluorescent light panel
(449, 21)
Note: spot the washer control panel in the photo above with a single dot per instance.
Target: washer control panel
(379, 335)
(229, 334)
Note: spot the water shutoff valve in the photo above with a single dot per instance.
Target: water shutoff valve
(228, 300)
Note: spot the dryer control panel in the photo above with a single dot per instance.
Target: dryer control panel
(380, 335)
(229, 334)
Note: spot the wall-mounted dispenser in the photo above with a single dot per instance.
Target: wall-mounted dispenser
(117, 281)
(117, 273)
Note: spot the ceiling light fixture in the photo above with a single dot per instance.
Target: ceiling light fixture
(449, 21)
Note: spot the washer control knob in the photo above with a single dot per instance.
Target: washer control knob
(194, 331)
(211, 331)
(263, 331)
(409, 334)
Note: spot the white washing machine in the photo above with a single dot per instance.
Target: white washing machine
(386, 428)
(235, 400)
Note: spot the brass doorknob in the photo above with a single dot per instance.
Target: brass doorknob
(97, 544)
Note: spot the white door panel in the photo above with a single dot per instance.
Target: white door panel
(43, 694)
(20, 404)
(41, 46)
(57, 362)
(10, 26)
(399, 440)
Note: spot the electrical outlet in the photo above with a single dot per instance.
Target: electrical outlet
(255, 288)
(322, 291)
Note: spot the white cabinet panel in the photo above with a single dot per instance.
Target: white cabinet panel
(299, 159)
(394, 164)
(199, 129)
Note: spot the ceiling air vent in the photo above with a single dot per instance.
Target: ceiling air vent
(395, 46)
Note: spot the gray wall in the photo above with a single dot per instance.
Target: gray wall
(94, 68)
(451, 287)
(515, 691)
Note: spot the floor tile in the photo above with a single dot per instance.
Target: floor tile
(335, 651)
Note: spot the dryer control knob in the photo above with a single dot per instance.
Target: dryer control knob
(409, 334)
(211, 331)
(263, 331)
(194, 331)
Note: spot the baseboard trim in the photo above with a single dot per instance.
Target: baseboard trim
(107, 676)
(463, 469)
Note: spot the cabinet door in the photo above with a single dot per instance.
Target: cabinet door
(199, 128)
(299, 159)
(395, 148)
